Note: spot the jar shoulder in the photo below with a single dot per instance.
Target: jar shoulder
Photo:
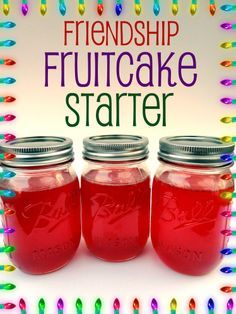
(115, 173)
(195, 178)
(39, 179)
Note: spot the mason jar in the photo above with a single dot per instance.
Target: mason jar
(46, 205)
(188, 199)
(115, 187)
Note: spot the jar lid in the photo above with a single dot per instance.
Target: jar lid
(195, 150)
(38, 151)
(115, 147)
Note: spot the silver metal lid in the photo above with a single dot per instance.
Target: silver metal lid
(195, 150)
(38, 151)
(115, 147)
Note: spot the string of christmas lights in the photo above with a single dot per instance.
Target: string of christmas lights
(227, 195)
(116, 304)
(118, 7)
(7, 174)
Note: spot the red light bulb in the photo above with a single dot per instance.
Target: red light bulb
(212, 9)
(9, 117)
(9, 137)
(192, 304)
(9, 62)
(116, 304)
(226, 63)
(136, 304)
(226, 289)
(9, 212)
(100, 9)
(226, 176)
(22, 304)
(9, 156)
(9, 306)
(9, 99)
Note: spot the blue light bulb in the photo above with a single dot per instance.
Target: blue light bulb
(62, 8)
(226, 270)
(211, 304)
(156, 8)
(226, 251)
(226, 157)
(118, 8)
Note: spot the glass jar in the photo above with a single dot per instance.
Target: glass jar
(46, 207)
(115, 189)
(187, 202)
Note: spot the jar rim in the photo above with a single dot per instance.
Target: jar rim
(202, 151)
(115, 148)
(38, 151)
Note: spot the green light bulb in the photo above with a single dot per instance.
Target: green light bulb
(98, 305)
(79, 305)
(41, 305)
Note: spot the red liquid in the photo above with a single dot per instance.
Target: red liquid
(186, 226)
(47, 225)
(115, 217)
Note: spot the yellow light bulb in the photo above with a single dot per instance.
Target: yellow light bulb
(81, 9)
(175, 9)
(226, 120)
(43, 9)
(9, 268)
(6, 9)
(193, 9)
(227, 139)
(138, 9)
(226, 195)
(226, 45)
(173, 304)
